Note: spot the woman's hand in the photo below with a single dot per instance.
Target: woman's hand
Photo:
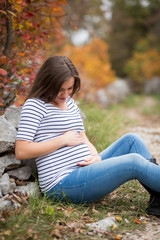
(92, 159)
(73, 138)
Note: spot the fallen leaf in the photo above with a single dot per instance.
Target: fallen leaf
(49, 210)
(94, 210)
(108, 233)
(7, 233)
(119, 219)
(144, 221)
(118, 237)
(114, 226)
(55, 233)
(30, 232)
(136, 221)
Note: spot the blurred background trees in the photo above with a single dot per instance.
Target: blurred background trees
(105, 39)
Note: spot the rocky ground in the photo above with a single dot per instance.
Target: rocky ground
(149, 129)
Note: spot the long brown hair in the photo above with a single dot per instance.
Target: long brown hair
(52, 74)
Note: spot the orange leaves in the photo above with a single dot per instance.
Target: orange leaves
(62, 2)
(118, 237)
(143, 66)
(93, 62)
(21, 54)
(20, 100)
(143, 221)
(136, 221)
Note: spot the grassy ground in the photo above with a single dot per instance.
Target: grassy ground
(39, 218)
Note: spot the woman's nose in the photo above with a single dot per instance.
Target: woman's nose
(66, 93)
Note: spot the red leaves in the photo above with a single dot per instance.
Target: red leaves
(26, 37)
(34, 24)
(30, 14)
(3, 72)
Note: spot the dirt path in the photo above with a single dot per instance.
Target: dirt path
(149, 129)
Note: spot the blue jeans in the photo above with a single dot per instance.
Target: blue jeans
(124, 160)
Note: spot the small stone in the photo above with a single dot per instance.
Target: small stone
(103, 225)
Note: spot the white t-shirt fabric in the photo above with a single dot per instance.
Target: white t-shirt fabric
(41, 121)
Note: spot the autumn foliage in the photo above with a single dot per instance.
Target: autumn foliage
(143, 66)
(93, 63)
(26, 27)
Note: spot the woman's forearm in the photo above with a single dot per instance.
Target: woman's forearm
(25, 149)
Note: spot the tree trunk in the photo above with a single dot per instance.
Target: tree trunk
(9, 34)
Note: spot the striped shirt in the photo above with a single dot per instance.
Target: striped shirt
(41, 121)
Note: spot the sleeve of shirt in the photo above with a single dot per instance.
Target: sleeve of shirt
(32, 113)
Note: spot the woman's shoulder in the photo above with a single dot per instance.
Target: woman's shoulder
(35, 103)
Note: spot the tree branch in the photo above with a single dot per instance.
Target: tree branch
(9, 35)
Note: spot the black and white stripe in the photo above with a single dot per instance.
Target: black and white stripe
(42, 121)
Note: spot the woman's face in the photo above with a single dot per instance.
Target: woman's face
(64, 92)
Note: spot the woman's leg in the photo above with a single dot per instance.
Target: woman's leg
(129, 143)
(90, 183)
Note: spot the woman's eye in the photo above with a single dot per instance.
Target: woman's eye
(71, 88)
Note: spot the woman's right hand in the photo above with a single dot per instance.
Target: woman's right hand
(73, 138)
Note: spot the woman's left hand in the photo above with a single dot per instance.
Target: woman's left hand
(92, 159)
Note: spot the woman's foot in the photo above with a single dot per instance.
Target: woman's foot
(153, 160)
(154, 206)
(154, 202)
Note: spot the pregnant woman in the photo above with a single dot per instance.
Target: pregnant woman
(69, 167)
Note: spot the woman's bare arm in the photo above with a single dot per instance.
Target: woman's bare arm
(26, 150)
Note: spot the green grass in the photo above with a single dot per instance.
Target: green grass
(102, 126)
(41, 218)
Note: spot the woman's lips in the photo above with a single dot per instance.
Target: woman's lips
(62, 99)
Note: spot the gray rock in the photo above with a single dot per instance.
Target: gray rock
(22, 173)
(114, 93)
(9, 162)
(31, 189)
(1, 170)
(12, 186)
(7, 136)
(5, 184)
(32, 164)
(13, 114)
(102, 225)
(152, 86)
(5, 204)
